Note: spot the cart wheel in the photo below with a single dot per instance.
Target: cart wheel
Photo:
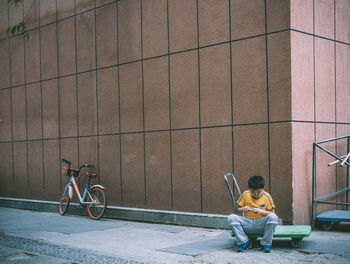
(296, 242)
(327, 226)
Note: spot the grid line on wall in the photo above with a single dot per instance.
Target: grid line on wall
(97, 104)
(267, 100)
(58, 101)
(170, 120)
(177, 129)
(143, 109)
(199, 113)
(41, 107)
(13, 162)
(119, 119)
(170, 54)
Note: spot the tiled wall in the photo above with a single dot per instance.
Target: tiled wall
(164, 97)
(320, 41)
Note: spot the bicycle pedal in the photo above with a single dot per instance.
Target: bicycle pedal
(81, 206)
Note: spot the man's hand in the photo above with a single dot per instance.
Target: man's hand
(254, 210)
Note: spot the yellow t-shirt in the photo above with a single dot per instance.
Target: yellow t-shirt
(263, 202)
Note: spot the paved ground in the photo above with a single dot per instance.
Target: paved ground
(40, 237)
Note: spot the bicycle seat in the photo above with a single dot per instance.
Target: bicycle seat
(92, 175)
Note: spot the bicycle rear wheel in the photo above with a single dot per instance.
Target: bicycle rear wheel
(64, 202)
(97, 209)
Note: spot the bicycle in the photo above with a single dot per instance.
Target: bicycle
(94, 197)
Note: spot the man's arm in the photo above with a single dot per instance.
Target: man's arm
(262, 211)
(241, 209)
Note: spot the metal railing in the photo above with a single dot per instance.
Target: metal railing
(344, 161)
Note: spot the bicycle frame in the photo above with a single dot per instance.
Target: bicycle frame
(82, 199)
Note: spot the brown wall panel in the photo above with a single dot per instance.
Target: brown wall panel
(131, 118)
(4, 16)
(216, 162)
(32, 57)
(17, 60)
(301, 15)
(279, 82)
(5, 115)
(247, 18)
(50, 109)
(251, 154)
(154, 28)
(66, 47)
(68, 106)
(108, 101)
(35, 170)
(324, 81)
(85, 37)
(129, 20)
(31, 13)
(214, 21)
(52, 170)
(6, 170)
(34, 111)
(4, 64)
(158, 172)
(182, 24)
(342, 31)
(83, 5)
(133, 180)
(186, 171)
(303, 138)
(47, 11)
(156, 94)
(324, 18)
(342, 82)
(106, 35)
(87, 108)
(302, 77)
(20, 169)
(277, 15)
(281, 170)
(215, 89)
(184, 90)
(65, 8)
(249, 81)
(19, 118)
(109, 156)
(48, 45)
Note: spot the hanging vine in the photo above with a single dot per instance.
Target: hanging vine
(21, 27)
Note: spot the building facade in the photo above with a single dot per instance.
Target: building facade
(166, 96)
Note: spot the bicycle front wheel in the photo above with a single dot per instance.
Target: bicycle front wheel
(98, 207)
(64, 202)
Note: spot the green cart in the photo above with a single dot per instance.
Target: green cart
(295, 232)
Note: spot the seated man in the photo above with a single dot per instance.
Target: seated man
(260, 217)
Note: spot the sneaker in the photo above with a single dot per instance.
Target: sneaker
(244, 247)
(266, 248)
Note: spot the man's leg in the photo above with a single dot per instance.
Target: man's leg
(271, 222)
(237, 223)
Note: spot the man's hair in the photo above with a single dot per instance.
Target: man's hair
(256, 182)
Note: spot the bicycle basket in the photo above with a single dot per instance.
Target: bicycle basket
(65, 171)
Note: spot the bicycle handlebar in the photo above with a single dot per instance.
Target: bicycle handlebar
(86, 165)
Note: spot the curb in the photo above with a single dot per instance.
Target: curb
(215, 221)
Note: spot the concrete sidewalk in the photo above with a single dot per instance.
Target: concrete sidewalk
(42, 237)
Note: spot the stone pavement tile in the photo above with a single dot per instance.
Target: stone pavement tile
(200, 247)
